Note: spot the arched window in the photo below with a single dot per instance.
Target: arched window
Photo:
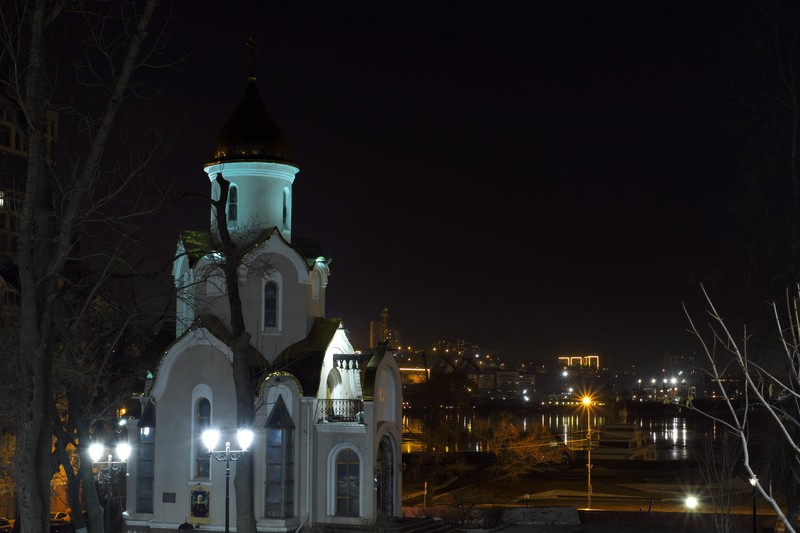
(347, 483)
(202, 423)
(233, 204)
(280, 463)
(271, 305)
(285, 209)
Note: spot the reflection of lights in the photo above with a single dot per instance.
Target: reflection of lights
(691, 502)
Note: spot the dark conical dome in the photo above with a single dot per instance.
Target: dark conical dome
(251, 134)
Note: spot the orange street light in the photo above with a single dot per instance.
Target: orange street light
(587, 402)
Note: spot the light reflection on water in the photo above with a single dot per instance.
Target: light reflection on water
(676, 438)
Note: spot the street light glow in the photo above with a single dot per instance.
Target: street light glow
(210, 438)
(95, 451)
(691, 502)
(123, 451)
(245, 438)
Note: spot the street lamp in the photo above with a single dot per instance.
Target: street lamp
(754, 483)
(587, 402)
(210, 439)
(106, 472)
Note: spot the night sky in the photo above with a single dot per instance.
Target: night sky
(541, 181)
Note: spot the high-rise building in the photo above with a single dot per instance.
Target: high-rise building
(380, 330)
(13, 163)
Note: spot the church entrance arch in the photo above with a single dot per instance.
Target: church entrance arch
(384, 475)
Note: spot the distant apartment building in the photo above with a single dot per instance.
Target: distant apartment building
(678, 362)
(13, 163)
(506, 383)
(380, 330)
(458, 347)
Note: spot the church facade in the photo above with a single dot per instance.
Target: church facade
(327, 429)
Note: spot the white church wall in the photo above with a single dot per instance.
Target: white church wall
(331, 439)
(387, 387)
(265, 182)
(210, 369)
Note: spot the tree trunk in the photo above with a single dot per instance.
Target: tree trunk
(45, 241)
(245, 392)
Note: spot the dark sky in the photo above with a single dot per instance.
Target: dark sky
(541, 181)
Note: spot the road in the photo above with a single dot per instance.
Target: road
(645, 492)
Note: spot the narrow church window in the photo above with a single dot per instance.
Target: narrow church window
(145, 471)
(233, 204)
(202, 423)
(285, 209)
(347, 483)
(271, 305)
(280, 463)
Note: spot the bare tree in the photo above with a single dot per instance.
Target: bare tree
(98, 361)
(770, 395)
(62, 203)
(718, 466)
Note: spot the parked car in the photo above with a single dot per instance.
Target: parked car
(61, 522)
(5, 525)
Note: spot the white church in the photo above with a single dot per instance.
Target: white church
(327, 431)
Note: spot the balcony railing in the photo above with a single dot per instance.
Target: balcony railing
(340, 411)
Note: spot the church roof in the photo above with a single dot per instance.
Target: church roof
(372, 369)
(304, 358)
(251, 134)
(217, 328)
(197, 244)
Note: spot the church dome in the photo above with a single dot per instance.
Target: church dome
(251, 134)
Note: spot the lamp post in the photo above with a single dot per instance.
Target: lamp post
(210, 439)
(754, 483)
(587, 402)
(105, 475)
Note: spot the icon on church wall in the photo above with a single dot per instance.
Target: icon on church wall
(199, 504)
